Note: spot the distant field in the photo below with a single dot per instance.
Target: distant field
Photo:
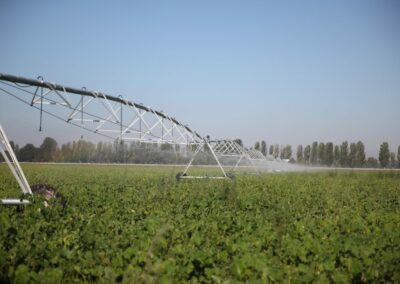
(138, 224)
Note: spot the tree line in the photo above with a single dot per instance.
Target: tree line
(327, 154)
(316, 154)
(82, 151)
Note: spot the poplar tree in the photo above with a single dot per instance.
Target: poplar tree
(321, 153)
(336, 155)
(353, 155)
(344, 154)
(276, 151)
(282, 153)
(360, 154)
(314, 153)
(257, 146)
(329, 154)
(264, 148)
(384, 154)
(307, 154)
(299, 154)
(271, 149)
(286, 152)
(392, 160)
(289, 151)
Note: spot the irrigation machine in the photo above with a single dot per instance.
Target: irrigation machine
(117, 119)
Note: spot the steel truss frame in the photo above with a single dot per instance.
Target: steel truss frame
(118, 119)
(12, 162)
(112, 117)
(226, 148)
(109, 116)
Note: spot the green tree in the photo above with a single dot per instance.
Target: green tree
(257, 146)
(14, 147)
(321, 153)
(286, 152)
(353, 155)
(393, 160)
(289, 152)
(65, 152)
(360, 154)
(371, 162)
(384, 154)
(336, 156)
(48, 149)
(85, 152)
(329, 154)
(28, 153)
(314, 153)
(276, 151)
(299, 154)
(271, 150)
(344, 154)
(307, 154)
(264, 148)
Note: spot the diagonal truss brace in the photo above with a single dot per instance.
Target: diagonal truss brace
(12, 162)
(200, 146)
(232, 149)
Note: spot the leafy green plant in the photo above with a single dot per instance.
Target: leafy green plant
(137, 224)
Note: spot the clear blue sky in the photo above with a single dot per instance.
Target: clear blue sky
(288, 72)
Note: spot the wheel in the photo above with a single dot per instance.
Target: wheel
(179, 175)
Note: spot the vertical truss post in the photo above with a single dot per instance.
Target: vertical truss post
(41, 109)
(12, 162)
(120, 119)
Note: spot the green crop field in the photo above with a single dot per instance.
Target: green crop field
(138, 224)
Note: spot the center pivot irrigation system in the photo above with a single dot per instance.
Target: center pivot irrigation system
(115, 118)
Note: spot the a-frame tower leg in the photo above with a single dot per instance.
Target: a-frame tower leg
(12, 162)
(201, 145)
(243, 154)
